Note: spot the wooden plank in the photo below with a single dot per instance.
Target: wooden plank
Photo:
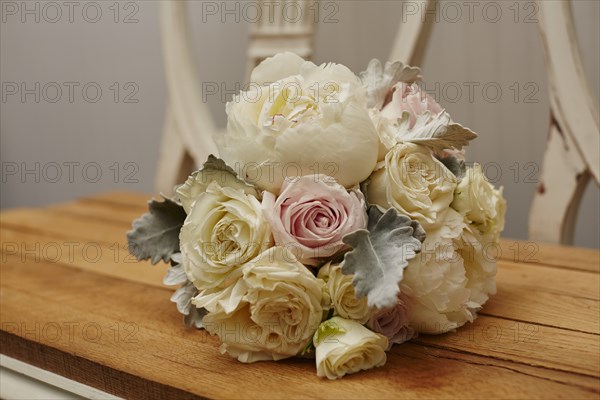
(124, 198)
(526, 343)
(537, 253)
(563, 282)
(526, 304)
(110, 260)
(122, 216)
(63, 225)
(524, 291)
(518, 251)
(161, 359)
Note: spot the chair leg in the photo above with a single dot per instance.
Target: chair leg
(174, 161)
(560, 189)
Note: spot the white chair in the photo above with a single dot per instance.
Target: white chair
(572, 153)
(189, 127)
(291, 30)
(413, 33)
(572, 156)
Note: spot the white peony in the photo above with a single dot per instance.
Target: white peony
(344, 347)
(341, 291)
(386, 130)
(224, 229)
(297, 118)
(480, 203)
(450, 279)
(415, 183)
(270, 312)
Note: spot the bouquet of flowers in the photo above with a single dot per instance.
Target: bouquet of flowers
(340, 219)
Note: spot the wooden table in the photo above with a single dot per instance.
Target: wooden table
(75, 303)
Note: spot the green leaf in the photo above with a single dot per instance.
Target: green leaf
(155, 235)
(326, 330)
(438, 132)
(214, 169)
(379, 255)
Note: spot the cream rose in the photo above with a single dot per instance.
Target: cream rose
(480, 202)
(197, 183)
(415, 183)
(450, 279)
(271, 311)
(297, 118)
(312, 215)
(344, 347)
(341, 291)
(224, 229)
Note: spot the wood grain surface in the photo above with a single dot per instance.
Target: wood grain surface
(75, 303)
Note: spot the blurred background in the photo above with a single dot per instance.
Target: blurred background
(83, 89)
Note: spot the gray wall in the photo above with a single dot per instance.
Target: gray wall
(79, 138)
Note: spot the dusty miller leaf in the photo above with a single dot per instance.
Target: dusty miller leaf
(214, 169)
(194, 318)
(182, 297)
(155, 235)
(435, 131)
(456, 166)
(175, 275)
(379, 255)
(379, 80)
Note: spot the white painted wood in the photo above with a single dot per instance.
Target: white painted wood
(562, 183)
(413, 33)
(573, 151)
(572, 103)
(19, 380)
(288, 31)
(174, 159)
(192, 124)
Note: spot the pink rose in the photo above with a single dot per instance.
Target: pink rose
(393, 322)
(311, 216)
(411, 98)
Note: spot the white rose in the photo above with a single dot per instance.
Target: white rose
(415, 183)
(197, 183)
(344, 347)
(270, 313)
(480, 202)
(297, 118)
(224, 229)
(450, 279)
(341, 290)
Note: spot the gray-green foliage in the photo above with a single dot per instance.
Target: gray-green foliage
(438, 132)
(380, 253)
(155, 235)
